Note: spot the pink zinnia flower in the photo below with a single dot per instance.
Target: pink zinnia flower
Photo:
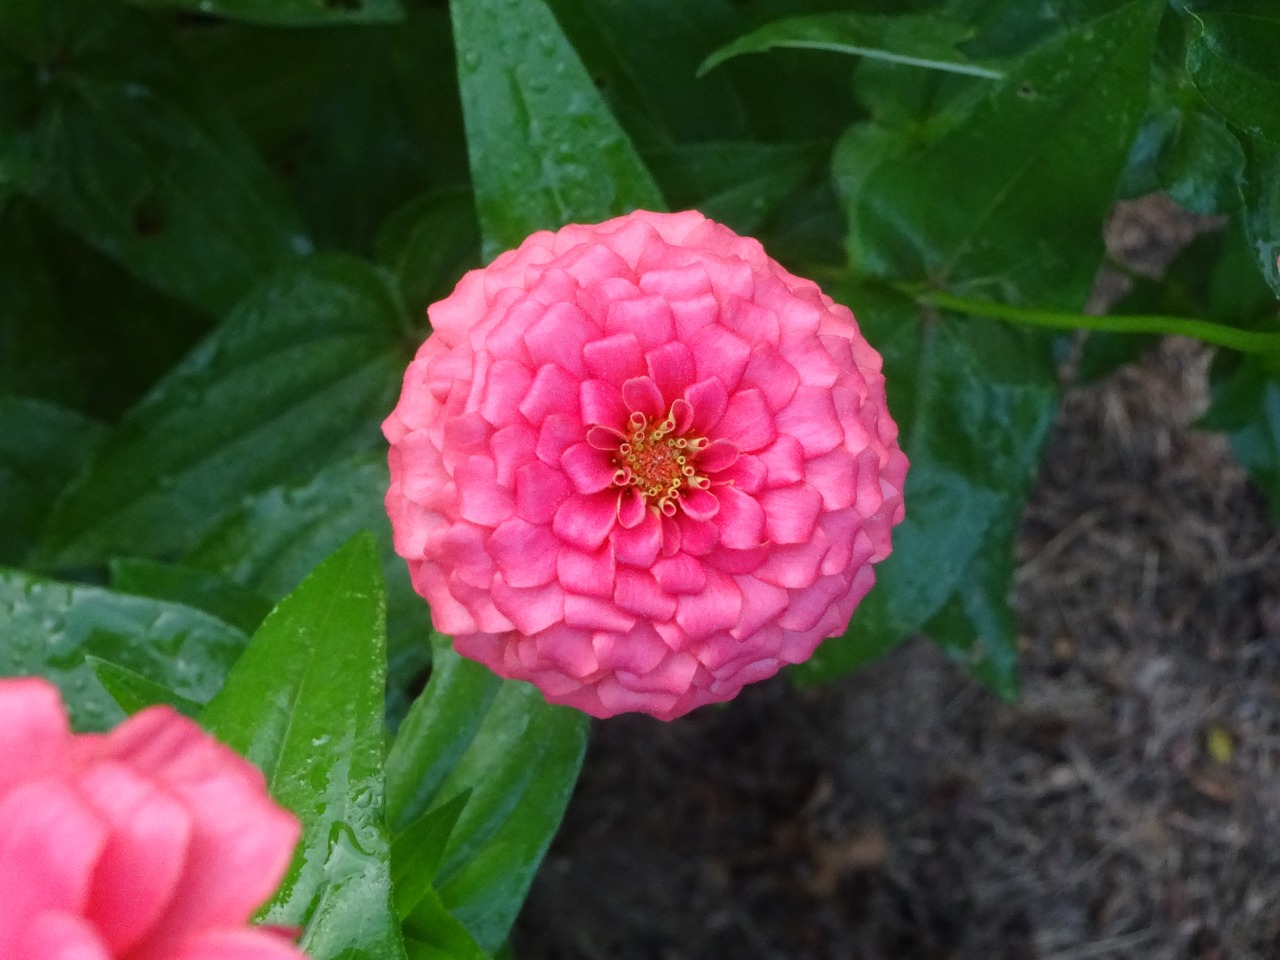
(640, 464)
(152, 842)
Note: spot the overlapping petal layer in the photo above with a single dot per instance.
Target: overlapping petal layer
(152, 842)
(640, 465)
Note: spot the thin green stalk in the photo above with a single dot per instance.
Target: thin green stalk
(1246, 341)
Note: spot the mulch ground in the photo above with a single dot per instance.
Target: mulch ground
(1127, 806)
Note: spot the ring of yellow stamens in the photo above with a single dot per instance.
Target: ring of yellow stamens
(657, 463)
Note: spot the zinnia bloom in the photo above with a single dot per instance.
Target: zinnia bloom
(639, 464)
(152, 842)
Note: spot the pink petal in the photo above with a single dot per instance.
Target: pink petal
(616, 698)
(553, 390)
(741, 519)
(557, 433)
(727, 560)
(59, 936)
(811, 419)
(714, 608)
(602, 404)
(791, 513)
(506, 386)
(33, 729)
(672, 369)
(592, 613)
(772, 375)
(709, 400)
(783, 461)
(699, 504)
(588, 469)
(680, 574)
(721, 354)
(649, 318)
(761, 603)
(570, 650)
(677, 283)
(585, 572)
(693, 314)
(525, 552)
(237, 944)
(540, 490)
(530, 610)
(614, 359)
(559, 336)
(754, 324)
(585, 519)
(144, 857)
(512, 448)
(870, 491)
(747, 423)
(632, 508)
(638, 592)
(746, 473)
(718, 455)
(49, 845)
(480, 499)
(241, 842)
(808, 606)
(673, 675)
(639, 546)
(834, 476)
(697, 537)
(641, 395)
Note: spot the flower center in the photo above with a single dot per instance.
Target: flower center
(658, 462)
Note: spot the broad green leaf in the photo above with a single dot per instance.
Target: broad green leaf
(1232, 60)
(917, 40)
(48, 628)
(288, 13)
(432, 933)
(657, 97)
(1260, 189)
(739, 184)
(298, 377)
(134, 692)
(273, 539)
(41, 448)
(304, 703)
(228, 601)
(544, 148)
(516, 757)
(1011, 198)
(417, 850)
(428, 244)
(131, 153)
(974, 400)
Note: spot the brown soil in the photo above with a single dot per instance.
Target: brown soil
(1128, 806)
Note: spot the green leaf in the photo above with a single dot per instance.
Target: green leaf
(41, 448)
(273, 539)
(132, 153)
(918, 40)
(288, 13)
(50, 627)
(1012, 195)
(299, 376)
(1261, 192)
(1232, 61)
(432, 933)
(417, 850)
(304, 703)
(515, 756)
(134, 692)
(544, 148)
(428, 244)
(214, 594)
(974, 401)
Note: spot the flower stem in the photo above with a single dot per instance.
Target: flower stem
(1246, 341)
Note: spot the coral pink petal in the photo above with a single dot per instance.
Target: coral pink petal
(641, 395)
(672, 368)
(741, 519)
(589, 470)
(747, 423)
(791, 513)
(237, 944)
(615, 359)
(49, 845)
(60, 936)
(144, 857)
(241, 843)
(33, 729)
(709, 400)
(585, 520)
(714, 608)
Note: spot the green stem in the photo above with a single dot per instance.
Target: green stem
(1246, 341)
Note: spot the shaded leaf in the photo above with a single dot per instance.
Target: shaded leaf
(304, 703)
(131, 153)
(1232, 61)
(134, 692)
(1246, 406)
(299, 376)
(288, 13)
(50, 627)
(428, 244)
(918, 40)
(41, 448)
(1013, 196)
(544, 148)
(228, 601)
(514, 755)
